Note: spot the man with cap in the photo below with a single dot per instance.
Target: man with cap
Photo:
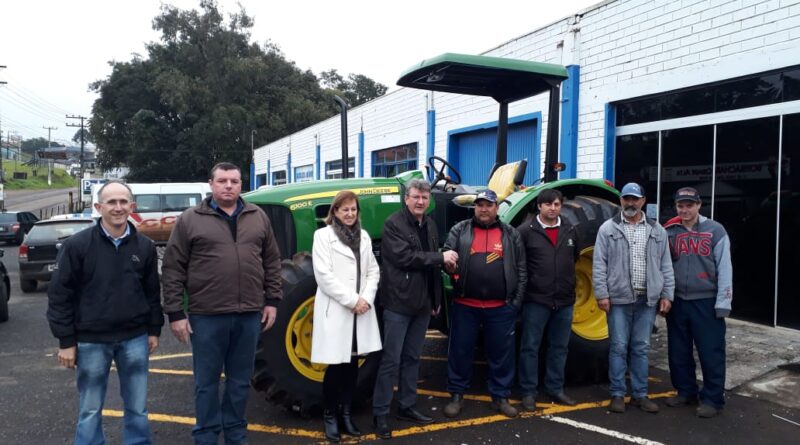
(489, 283)
(632, 277)
(701, 257)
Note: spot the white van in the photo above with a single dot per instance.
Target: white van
(158, 205)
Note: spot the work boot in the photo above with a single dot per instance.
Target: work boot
(707, 411)
(563, 399)
(331, 426)
(645, 405)
(453, 408)
(529, 403)
(346, 424)
(617, 405)
(504, 407)
(680, 400)
(382, 429)
(412, 415)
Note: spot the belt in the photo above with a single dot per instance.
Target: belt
(640, 292)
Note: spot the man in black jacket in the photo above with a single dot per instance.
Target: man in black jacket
(490, 279)
(410, 292)
(105, 303)
(551, 247)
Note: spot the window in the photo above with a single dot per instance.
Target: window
(333, 169)
(304, 173)
(178, 202)
(279, 177)
(261, 180)
(390, 162)
(147, 203)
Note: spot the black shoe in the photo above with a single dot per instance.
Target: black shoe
(346, 425)
(453, 408)
(381, 424)
(529, 403)
(680, 400)
(505, 408)
(331, 427)
(563, 399)
(412, 415)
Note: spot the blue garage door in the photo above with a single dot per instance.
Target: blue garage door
(472, 152)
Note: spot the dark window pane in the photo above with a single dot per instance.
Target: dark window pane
(789, 246)
(636, 160)
(750, 92)
(747, 153)
(791, 86)
(638, 111)
(686, 158)
(688, 103)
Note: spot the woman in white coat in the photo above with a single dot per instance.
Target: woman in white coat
(345, 323)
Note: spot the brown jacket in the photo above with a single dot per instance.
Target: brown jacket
(221, 275)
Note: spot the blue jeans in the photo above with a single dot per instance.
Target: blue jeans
(94, 364)
(629, 326)
(695, 322)
(499, 341)
(558, 321)
(403, 337)
(225, 342)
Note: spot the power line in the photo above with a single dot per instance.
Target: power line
(21, 87)
(82, 118)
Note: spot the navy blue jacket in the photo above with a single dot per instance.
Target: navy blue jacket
(100, 293)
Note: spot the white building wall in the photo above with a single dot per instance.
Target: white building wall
(626, 49)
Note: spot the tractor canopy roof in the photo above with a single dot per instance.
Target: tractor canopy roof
(505, 80)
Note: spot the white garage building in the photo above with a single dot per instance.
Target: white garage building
(665, 93)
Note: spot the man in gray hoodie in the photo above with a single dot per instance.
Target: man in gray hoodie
(701, 258)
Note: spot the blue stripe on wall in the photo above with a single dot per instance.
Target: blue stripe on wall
(431, 150)
(318, 158)
(269, 172)
(361, 154)
(289, 168)
(568, 152)
(610, 137)
(252, 176)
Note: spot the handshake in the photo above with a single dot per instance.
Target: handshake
(450, 261)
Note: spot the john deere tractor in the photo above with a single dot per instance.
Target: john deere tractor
(283, 367)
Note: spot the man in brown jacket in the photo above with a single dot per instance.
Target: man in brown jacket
(224, 256)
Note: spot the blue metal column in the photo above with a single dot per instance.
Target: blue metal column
(318, 159)
(610, 138)
(568, 152)
(252, 176)
(431, 138)
(289, 168)
(269, 173)
(360, 157)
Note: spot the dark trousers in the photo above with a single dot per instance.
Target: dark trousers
(558, 322)
(403, 337)
(339, 384)
(225, 342)
(695, 322)
(498, 334)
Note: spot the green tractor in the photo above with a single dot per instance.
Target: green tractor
(283, 367)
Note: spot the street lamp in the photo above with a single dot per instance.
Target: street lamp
(252, 146)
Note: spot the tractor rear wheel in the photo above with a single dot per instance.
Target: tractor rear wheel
(283, 368)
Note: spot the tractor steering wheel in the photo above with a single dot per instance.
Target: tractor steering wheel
(440, 176)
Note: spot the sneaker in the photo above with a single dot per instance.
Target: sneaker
(617, 405)
(707, 411)
(504, 407)
(645, 405)
(563, 399)
(680, 401)
(529, 403)
(453, 408)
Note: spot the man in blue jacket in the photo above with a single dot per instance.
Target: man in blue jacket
(104, 304)
(701, 258)
(631, 274)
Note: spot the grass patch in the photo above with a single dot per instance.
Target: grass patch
(61, 179)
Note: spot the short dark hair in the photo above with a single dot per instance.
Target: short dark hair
(338, 201)
(223, 166)
(113, 181)
(548, 196)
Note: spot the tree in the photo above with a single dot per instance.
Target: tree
(32, 145)
(196, 95)
(87, 137)
(356, 90)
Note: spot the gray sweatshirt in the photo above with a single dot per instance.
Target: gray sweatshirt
(701, 258)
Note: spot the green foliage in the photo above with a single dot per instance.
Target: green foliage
(356, 90)
(87, 137)
(197, 95)
(61, 179)
(31, 145)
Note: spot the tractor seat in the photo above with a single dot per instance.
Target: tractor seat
(504, 181)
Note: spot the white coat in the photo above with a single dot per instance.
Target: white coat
(335, 271)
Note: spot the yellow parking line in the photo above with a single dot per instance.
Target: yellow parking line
(171, 371)
(167, 357)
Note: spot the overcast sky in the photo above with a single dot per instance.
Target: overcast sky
(54, 49)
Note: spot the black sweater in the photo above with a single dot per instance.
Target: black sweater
(551, 269)
(100, 293)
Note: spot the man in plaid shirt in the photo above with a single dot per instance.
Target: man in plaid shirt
(632, 276)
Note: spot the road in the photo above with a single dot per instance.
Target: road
(34, 200)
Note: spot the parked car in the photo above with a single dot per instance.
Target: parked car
(5, 290)
(14, 226)
(37, 254)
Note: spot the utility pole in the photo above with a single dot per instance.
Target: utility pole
(49, 160)
(2, 173)
(82, 141)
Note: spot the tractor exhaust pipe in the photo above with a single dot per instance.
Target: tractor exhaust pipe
(345, 164)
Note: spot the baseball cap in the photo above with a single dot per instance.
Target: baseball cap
(687, 194)
(632, 189)
(488, 195)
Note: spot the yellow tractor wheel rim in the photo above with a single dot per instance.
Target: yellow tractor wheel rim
(588, 321)
(298, 342)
